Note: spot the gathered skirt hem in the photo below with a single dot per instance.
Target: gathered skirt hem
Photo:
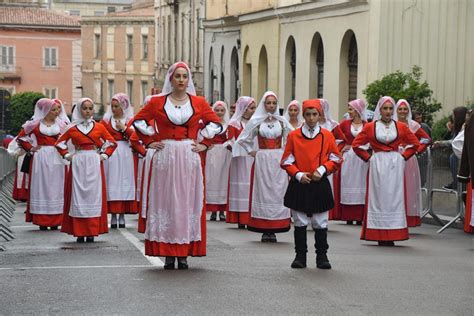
(122, 207)
(351, 212)
(241, 218)
(216, 207)
(160, 249)
(269, 226)
(384, 234)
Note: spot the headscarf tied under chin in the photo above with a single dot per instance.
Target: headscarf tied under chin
(241, 105)
(382, 101)
(76, 116)
(296, 104)
(124, 103)
(168, 88)
(413, 125)
(225, 118)
(42, 107)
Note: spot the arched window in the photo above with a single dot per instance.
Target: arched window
(316, 80)
(234, 76)
(247, 73)
(262, 72)
(290, 70)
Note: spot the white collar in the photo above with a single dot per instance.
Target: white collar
(310, 132)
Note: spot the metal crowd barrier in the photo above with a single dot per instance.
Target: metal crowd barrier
(435, 170)
(7, 204)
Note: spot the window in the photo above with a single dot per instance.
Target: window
(75, 12)
(50, 93)
(10, 89)
(98, 13)
(111, 85)
(130, 90)
(144, 46)
(110, 9)
(129, 46)
(144, 89)
(97, 45)
(7, 58)
(50, 58)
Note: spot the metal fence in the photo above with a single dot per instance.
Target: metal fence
(7, 204)
(438, 169)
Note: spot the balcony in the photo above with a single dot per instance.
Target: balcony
(10, 74)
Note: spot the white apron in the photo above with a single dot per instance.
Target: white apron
(120, 174)
(269, 186)
(86, 199)
(413, 187)
(386, 198)
(217, 174)
(176, 194)
(141, 162)
(146, 176)
(353, 179)
(47, 196)
(239, 183)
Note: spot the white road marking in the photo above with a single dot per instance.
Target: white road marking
(139, 245)
(75, 267)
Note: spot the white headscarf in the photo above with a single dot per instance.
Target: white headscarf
(167, 88)
(413, 125)
(330, 124)
(300, 112)
(76, 116)
(125, 104)
(260, 116)
(241, 106)
(42, 107)
(382, 100)
(225, 119)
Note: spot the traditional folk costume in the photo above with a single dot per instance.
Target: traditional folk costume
(385, 212)
(218, 159)
(176, 219)
(353, 173)
(414, 204)
(21, 181)
(309, 149)
(465, 173)
(299, 118)
(122, 167)
(85, 202)
(333, 126)
(240, 167)
(45, 197)
(268, 184)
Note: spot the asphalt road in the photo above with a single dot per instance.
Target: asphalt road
(47, 272)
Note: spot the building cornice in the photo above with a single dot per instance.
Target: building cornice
(105, 20)
(294, 12)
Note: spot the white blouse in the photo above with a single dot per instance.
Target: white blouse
(270, 130)
(114, 124)
(52, 130)
(310, 132)
(385, 133)
(356, 130)
(178, 115)
(86, 126)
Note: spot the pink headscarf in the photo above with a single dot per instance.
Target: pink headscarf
(240, 107)
(42, 107)
(359, 106)
(167, 88)
(125, 104)
(381, 102)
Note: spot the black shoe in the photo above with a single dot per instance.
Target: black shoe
(241, 226)
(43, 227)
(90, 239)
(265, 238)
(54, 227)
(113, 226)
(213, 216)
(121, 225)
(449, 186)
(80, 239)
(272, 237)
(322, 262)
(349, 222)
(389, 243)
(222, 216)
(182, 264)
(359, 223)
(169, 263)
(298, 264)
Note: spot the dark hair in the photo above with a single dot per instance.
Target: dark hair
(459, 117)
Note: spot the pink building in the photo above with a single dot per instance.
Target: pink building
(40, 51)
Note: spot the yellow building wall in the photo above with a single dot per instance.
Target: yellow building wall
(216, 9)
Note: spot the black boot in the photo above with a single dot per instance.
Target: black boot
(222, 216)
(321, 245)
(301, 248)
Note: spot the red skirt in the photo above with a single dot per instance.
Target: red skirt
(468, 214)
(122, 207)
(351, 212)
(216, 207)
(241, 218)
(20, 190)
(84, 227)
(193, 249)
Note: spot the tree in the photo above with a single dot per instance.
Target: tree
(22, 107)
(407, 86)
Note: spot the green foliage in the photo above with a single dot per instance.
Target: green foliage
(439, 129)
(407, 86)
(22, 107)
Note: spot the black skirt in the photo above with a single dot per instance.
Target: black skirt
(311, 198)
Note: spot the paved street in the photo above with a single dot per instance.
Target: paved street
(49, 273)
